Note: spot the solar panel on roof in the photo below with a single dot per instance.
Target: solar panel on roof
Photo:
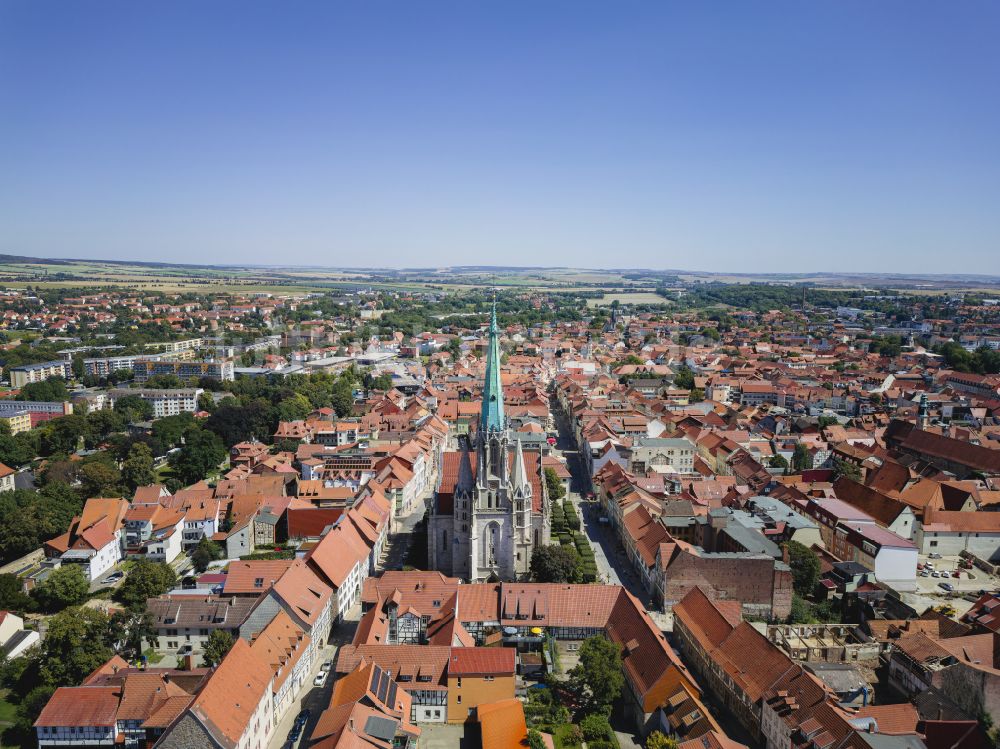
(376, 675)
(383, 688)
(380, 728)
(391, 701)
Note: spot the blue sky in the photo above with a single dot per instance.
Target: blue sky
(772, 136)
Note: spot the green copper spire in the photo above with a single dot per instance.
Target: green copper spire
(491, 416)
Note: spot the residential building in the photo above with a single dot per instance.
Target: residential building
(28, 373)
(145, 368)
(164, 402)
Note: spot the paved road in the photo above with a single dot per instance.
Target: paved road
(316, 699)
(399, 542)
(608, 551)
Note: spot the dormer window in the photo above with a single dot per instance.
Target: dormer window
(258, 582)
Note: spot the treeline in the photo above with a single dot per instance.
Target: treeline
(981, 361)
(761, 297)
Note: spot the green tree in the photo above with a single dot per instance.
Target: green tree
(846, 469)
(12, 595)
(134, 409)
(342, 397)
(555, 563)
(99, 479)
(137, 470)
(63, 435)
(802, 459)
(595, 727)
(535, 740)
(801, 611)
(170, 430)
(77, 641)
(294, 408)
(52, 389)
(554, 485)
(778, 461)
(201, 454)
(146, 580)
(205, 553)
(597, 679)
(206, 402)
(684, 378)
(219, 643)
(66, 586)
(805, 567)
(659, 740)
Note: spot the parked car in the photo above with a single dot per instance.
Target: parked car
(302, 718)
(935, 573)
(929, 565)
(114, 577)
(924, 573)
(947, 586)
(327, 665)
(320, 679)
(933, 555)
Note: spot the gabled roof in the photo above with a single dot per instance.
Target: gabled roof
(232, 693)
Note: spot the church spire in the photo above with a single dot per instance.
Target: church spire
(491, 417)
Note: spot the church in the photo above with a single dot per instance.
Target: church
(490, 509)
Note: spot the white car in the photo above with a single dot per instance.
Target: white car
(933, 555)
(327, 665)
(925, 573)
(935, 573)
(320, 679)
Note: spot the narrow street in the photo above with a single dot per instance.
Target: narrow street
(609, 554)
(399, 542)
(312, 698)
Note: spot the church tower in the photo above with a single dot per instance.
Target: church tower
(493, 499)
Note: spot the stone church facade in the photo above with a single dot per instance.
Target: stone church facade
(490, 509)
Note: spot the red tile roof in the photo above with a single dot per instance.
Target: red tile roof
(81, 707)
(481, 661)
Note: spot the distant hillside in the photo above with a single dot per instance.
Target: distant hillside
(10, 259)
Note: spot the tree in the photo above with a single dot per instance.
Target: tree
(846, 469)
(800, 612)
(659, 740)
(201, 454)
(802, 459)
(134, 408)
(77, 641)
(205, 553)
(535, 740)
(218, 644)
(137, 470)
(554, 485)
(99, 479)
(826, 421)
(778, 461)
(555, 563)
(66, 586)
(342, 397)
(595, 727)
(597, 679)
(805, 567)
(206, 402)
(146, 580)
(12, 595)
(294, 408)
(684, 377)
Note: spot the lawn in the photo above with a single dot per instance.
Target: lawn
(7, 715)
(562, 737)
